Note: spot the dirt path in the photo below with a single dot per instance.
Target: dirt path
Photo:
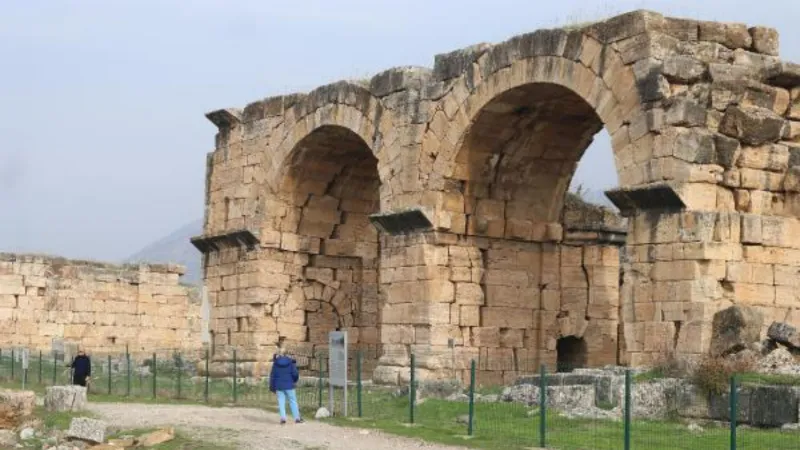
(252, 429)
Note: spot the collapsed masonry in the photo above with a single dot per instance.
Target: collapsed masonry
(464, 169)
(103, 308)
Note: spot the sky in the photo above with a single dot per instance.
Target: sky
(102, 129)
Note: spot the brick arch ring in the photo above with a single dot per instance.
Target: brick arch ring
(351, 118)
(603, 93)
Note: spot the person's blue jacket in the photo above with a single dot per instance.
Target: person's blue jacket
(284, 374)
(82, 366)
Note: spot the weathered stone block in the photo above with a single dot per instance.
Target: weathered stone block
(86, 429)
(734, 329)
(752, 125)
(65, 398)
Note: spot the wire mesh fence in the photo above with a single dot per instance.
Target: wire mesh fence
(536, 408)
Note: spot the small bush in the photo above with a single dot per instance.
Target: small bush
(713, 374)
(668, 365)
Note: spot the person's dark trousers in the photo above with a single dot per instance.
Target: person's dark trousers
(80, 380)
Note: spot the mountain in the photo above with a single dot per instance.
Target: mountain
(175, 248)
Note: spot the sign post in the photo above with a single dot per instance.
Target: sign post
(337, 366)
(25, 356)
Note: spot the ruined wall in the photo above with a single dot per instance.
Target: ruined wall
(102, 307)
(703, 119)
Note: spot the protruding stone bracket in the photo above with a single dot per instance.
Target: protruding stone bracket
(238, 238)
(402, 222)
(225, 118)
(600, 235)
(656, 196)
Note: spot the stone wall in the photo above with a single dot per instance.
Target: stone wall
(101, 307)
(704, 122)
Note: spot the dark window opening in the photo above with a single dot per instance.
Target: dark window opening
(571, 354)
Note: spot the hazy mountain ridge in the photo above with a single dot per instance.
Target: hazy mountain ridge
(175, 248)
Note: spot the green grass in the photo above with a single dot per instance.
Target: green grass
(497, 425)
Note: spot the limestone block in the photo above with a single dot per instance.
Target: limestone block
(505, 317)
(469, 294)
(86, 429)
(765, 40)
(21, 402)
(485, 336)
(731, 35)
(786, 275)
(752, 125)
(397, 334)
(65, 398)
(469, 316)
(734, 329)
(753, 273)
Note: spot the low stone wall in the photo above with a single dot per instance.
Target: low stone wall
(600, 394)
(101, 307)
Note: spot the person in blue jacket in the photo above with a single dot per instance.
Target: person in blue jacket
(282, 380)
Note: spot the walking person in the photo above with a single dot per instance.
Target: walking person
(81, 369)
(282, 381)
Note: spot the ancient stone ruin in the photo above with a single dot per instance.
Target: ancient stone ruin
(104, 308)
(423, 210)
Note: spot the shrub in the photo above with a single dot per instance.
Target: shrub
(713, 374)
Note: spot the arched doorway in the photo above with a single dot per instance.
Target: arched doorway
(330, 188)
(550, 269)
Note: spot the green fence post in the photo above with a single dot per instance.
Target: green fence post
(155, 375)
(359, 384)
(412, 391)
(471, 398)
(12, 363)
(55, 366)
(319, 383)
(40, 367)
(179, 365)
(234, 375)
(627, 425)
(128, 374)
(734, 399)
(205, 393)
(542, 406)
(109, 374)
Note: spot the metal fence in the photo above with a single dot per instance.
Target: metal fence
(476, 410)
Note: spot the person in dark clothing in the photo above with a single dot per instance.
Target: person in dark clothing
(282, 380)
(81, 369)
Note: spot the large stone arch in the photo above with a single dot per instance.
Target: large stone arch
(705, 132)
(516, 89)
(328, 187)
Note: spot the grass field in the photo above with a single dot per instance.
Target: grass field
(497, 425)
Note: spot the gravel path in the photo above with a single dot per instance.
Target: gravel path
(252, 429)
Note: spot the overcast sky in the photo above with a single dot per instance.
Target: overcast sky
(102, 102)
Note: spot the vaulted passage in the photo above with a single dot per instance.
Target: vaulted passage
(333, 186)
(518, 159)
(546, 273)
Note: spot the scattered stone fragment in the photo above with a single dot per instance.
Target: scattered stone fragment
(27, 433)
(65, 398)
(322, 413)
(8, 439)
(21, 402)
(784, 333)
(157, 437)
(86, 429)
